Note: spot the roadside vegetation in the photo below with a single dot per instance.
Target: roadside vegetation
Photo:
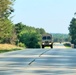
(9, 47)
(72, 30)
(67, 45)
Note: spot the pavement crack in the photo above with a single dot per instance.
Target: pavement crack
(44, 52)
(31, 62)
(39, 56)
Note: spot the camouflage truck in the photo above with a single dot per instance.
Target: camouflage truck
(47, 40)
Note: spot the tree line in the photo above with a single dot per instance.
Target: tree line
(58, 37)
(28, 36)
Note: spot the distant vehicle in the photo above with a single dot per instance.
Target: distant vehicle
(47, 40)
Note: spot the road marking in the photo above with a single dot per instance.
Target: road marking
(39, 56)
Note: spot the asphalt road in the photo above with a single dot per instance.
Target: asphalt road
(56, 61)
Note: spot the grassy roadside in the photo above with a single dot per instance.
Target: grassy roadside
(8, 47)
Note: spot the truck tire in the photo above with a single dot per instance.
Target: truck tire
(51, 45)
(42, 46)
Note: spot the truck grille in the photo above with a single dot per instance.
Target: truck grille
(46, 42)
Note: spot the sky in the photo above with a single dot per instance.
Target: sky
(52, 15)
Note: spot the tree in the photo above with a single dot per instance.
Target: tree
(40, 31)
(19, 27)
(6, 8)
(13, 38)
(28, 35)
(72, 30)
(6, 25)
(5, 29)
(31, 40)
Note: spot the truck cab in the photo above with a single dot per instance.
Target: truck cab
(47, 40)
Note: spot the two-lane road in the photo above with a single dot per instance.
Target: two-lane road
(39, 62)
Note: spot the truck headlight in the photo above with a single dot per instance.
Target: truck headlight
(43, 43)
(50, 43)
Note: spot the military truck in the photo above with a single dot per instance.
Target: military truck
(47, 40)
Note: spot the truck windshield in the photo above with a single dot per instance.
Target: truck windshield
(48, 37)
(44, 37)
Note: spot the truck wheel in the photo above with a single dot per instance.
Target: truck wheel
(52, 46)
(42, 46)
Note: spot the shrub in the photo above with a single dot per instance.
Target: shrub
(67, 44)
(21, 44)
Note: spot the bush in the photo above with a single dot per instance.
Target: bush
(67, 44)
(37, 46)
(21, 44)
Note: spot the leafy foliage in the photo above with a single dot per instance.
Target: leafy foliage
(72, 30)
(28, 35)
(6, 30)
(6, 26)
(6, 8)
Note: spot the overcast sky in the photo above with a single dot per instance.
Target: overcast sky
(52, 15)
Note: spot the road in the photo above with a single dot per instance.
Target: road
(56, 61)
